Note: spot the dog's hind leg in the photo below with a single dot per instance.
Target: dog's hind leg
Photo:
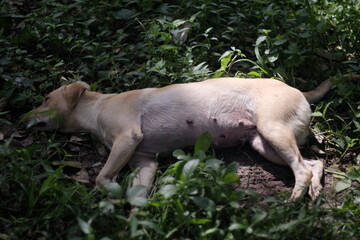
(148, 167)
(284, 147)
(262, 146)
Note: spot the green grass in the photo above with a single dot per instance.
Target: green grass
(121, 45)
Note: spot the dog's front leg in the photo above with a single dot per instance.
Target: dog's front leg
(121, 151)
(147, 166)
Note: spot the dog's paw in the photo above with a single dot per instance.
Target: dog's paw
(315, 190)
(297, 193)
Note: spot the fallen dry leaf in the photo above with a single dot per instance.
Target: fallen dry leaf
(74, 164)
(82, 176)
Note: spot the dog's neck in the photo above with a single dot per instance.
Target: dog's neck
(85, 118)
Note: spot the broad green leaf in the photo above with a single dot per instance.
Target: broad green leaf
(273, 58)
(106, 207)
(210, 231)
(134, 227)
(189, 168)
(343, 184)
(236, 226)
(213, 164)
(168, 190)
(231, 177)
(125, 14)
(280, 41)
(181, 155)
(357, 124)
(232, 168)
(353, 175)
(203, 142)
(5, 60)
(225, 59)
(137, 196)
(204, 203)
(317, 114)
(84, 226)
(260, 40)
(258, 217)
(114, 189)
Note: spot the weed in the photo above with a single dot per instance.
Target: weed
(122, 45)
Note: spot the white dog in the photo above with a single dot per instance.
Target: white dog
(272, 116)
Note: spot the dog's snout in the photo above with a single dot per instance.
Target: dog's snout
(40, 125)
(33, 123)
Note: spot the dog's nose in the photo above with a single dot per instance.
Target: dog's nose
(29, 121)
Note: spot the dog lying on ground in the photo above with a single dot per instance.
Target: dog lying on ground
(136, 125)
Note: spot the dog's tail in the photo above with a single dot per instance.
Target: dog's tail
(315, 95)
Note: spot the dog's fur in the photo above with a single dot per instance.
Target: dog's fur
(272, 116)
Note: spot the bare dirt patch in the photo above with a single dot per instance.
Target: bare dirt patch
(264, 177)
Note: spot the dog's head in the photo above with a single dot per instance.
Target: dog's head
(55, 111)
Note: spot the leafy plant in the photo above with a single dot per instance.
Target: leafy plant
(122, 45)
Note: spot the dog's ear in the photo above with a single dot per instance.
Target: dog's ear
(73, 93)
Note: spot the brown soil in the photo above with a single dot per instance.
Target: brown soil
(264, 177)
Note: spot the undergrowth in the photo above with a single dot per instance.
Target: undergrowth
(129, 44)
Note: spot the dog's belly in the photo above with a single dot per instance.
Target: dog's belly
(169, 137)
(166, 125)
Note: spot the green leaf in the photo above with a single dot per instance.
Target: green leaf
(137, 196)
(260, 40)
(204, 203)
(84, 226)
(284, 226)
(189, 168)
(225, 59)
(5, 60)
(151, 225)
(258, 56)
(168, 190)
(258, 217)
(236, 226)
(353, 175)
(317, 114)
(357, 124)
(125, 14)
(213, 164)
(273, 58)
(114, 189)
(168, 47)
(280, 41)
(181, 155)
(343, 184)
(232, 168)
(106, 207)
(231, 177)
(200, 220)
(49, 181)
(203, 143)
